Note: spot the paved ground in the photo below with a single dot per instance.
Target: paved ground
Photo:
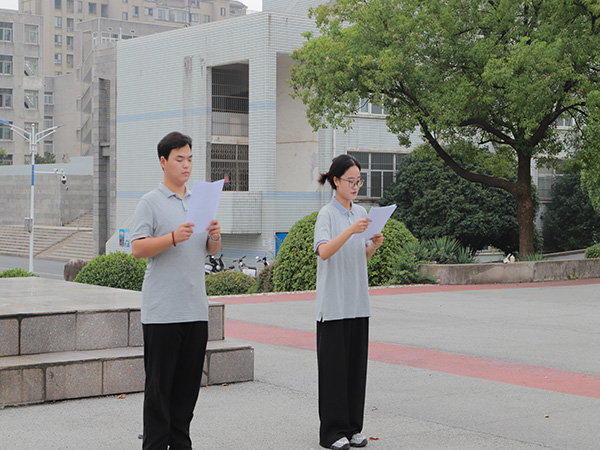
(452, 367)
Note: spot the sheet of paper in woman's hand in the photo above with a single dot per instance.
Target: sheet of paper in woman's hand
(379, 216)
(204, 203)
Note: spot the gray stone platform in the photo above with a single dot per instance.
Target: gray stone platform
(61, 340)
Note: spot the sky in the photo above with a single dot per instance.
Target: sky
(255, 5)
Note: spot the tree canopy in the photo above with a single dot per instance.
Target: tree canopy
(433, 201)
(570, 222)
(492, 73)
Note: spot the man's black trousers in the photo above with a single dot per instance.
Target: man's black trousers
(342, 352)
(173, 360)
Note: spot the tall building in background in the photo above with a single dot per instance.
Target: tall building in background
(21, 82)
(60, 17)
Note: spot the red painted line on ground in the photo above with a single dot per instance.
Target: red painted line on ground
(518, 374)
(399, 290)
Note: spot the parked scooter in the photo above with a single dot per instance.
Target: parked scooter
(262, 261)
(214, 264)
(244, 268)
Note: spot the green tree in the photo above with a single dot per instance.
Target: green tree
(433, 201)
(48, 158)
(488, 72)
(3, 156)
(570, 221)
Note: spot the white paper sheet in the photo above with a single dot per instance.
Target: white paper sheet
(379, 215)
(204, 203)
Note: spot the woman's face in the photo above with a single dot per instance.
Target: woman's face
(347, 185)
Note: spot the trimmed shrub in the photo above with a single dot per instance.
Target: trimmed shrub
(593, 251)
(117, 270)
(295, 267)
(228, 283)
(15, 273)
(264, 281)
(387, 262)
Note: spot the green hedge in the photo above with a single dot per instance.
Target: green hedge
(593, 251)
(295, 268)
(117, 270)
(228, 283)
(15, 273)
(264, 281)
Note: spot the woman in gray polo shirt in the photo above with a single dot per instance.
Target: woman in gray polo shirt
(343, 307)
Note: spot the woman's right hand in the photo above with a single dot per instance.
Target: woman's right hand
(359, 226)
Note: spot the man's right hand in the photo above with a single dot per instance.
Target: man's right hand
(184, 232)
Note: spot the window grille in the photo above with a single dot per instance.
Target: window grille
(229, 162)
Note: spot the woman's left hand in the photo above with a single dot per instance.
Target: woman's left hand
(214, 230)
(377, 240)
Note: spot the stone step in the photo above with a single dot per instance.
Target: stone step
(78, 374)
(25, 333)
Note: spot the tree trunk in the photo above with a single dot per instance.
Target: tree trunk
(525, 207)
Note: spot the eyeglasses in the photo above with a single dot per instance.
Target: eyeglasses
(353, 183)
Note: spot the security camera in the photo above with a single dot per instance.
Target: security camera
(63, 179)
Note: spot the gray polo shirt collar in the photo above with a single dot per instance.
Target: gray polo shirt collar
(169, 193)
(341, 208)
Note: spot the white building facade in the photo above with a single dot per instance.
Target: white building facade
(225, 84)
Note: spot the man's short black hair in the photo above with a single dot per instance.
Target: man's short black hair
(171, 141)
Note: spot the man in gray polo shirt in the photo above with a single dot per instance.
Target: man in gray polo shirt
(174, 302)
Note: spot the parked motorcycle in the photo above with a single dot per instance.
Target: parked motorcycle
(214, 264)
(244, 268)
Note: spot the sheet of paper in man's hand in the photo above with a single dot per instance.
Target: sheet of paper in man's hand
(204, 203)
(379, 215)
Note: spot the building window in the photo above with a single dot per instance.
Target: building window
(79, 6)
(58, 40)
(124, 1)
(57, 73)
(31, 67)
(58, 22)
(162, 14)
(148, 12)
(48, 122)
(31, 99)
(7, 160)
(70, 24)
(48, 98)
(206, 19)
(223, 11)
(70, 6)
(378, 171)
(135, 11)
(229, 162)
(6, 98)
(5, 132)
(31, 34)
(48, 147)
(92, 8)
(6, 65)
(195, 18)
(104, 10)
(366, 107)
(69, 60)
(565, 122)
(58, 59)
(70, 42)
(6, 31)
(181, 17)
(57, 4)
(124, 16)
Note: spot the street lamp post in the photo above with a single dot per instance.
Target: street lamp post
(33, 138)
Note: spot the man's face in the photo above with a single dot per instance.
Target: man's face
(178, 167)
